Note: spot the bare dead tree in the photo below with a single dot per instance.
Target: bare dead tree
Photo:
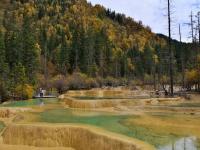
(193, 35)
(192, 26)
(198, 45)
(198, 32)
(182, 58)
(195, 31)
(170, 49)
(180, 35)
(198, 25)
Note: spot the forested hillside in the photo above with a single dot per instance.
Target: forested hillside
(50, 43)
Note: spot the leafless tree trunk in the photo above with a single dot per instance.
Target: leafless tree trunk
(192, 26)
(198, 25)
(198, 28)
(182, 58)
(170, 50)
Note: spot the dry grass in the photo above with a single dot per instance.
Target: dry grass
(75, 136)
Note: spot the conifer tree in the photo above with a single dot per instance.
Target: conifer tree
(64, 56)
(3, 69)
(30, 51)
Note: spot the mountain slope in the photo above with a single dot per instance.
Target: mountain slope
(44, 39)
(84, 27)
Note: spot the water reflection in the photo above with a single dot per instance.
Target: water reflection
(189, 143)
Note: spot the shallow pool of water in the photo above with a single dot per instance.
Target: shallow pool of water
(32, 102)
(111, 122)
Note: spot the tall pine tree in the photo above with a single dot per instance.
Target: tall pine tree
(30, 50)
(3, 69)
(64, 56)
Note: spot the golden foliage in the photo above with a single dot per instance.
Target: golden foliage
(24, 91)
(192, 76)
